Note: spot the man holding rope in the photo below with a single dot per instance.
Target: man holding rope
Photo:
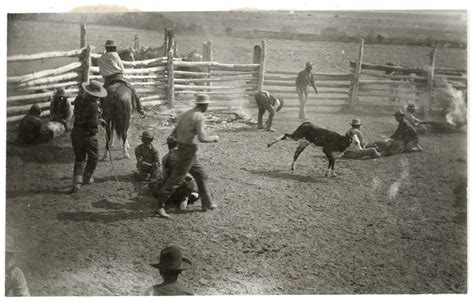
(83, 134)
(190, 126)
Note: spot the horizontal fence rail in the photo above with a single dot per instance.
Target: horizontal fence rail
(173, 81)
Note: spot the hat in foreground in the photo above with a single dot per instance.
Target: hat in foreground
(171, 259)
(355, 122)
(94, 88)
(203, 99)
(309, 64)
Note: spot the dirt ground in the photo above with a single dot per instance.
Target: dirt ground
(386, 226)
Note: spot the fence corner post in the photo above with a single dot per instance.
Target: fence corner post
(426, 107)
(170, 88)
(83, 35)
(356, 78)
(261, 71)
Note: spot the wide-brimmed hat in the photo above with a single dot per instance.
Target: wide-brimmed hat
(147, 135)
(60, 92)
(94, 88)
(399, 113)
(355, 122)
(309, 64)
(110, 43)
(171, 259)
(203, 99)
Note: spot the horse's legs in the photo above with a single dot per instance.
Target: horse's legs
(107, 141)
(125, 145)
(112, 127)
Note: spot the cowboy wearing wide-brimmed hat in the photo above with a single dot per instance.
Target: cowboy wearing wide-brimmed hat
(15, 281)
(189, 127)
(111, 68)
(148, 158)
(360, 151)
(171, 264)
(406, 133)
(83, 135)
(303, 81)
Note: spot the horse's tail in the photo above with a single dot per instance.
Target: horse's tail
(121, 120)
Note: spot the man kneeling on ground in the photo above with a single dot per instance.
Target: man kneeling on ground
(362, 152)
(148, 158)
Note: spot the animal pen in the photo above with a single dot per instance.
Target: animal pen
(172, 81)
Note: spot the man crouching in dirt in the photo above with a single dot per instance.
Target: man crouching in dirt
(148, 158)
(83, 134)
(190, 126)
(267, 102)
(172, 263)
(185, 194)
(406, 134)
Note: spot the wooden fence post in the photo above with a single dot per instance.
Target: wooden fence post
(165, 43)
(136, 45)
(87, 64)
(430, 78)
(355, 81)
(261, 71)
(170, 90)
(83, 35)
(170, 40)
(207, 56)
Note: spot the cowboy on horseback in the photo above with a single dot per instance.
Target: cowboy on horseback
(112, 69)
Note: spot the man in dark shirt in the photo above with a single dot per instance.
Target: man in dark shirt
(267, 102)
(148, 158)
(303, 81)
(406, 134)
(83, 135)
(172, 263)
(60, 109)
(31, 129)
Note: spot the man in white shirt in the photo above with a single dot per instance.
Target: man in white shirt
(112, 69)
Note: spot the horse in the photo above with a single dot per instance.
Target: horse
(117, 108)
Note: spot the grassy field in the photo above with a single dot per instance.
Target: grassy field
(29, 37)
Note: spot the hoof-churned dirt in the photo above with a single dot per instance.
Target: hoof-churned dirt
(390, 225)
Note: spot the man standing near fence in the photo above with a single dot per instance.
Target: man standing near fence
(190, 126)
(112, 69)
(303, 81)
(83, 134)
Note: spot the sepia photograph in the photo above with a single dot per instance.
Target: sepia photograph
(239, 151)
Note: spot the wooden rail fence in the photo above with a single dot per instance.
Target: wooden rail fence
(172, 81)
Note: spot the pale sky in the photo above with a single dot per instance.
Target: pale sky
(17, 6)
